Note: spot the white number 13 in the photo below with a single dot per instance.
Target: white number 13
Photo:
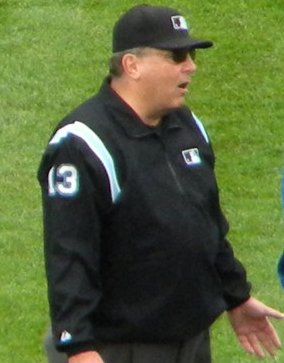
(63, 180)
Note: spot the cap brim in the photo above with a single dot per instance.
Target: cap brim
(202, 44)
(186, 43)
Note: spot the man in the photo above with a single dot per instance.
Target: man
(137, 260)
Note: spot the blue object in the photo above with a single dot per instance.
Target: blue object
(280, 266)
(280, 269)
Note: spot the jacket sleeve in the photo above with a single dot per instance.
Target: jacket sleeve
(232, 274)
(236, 288)
(74, 193)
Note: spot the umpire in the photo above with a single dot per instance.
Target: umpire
(137, 261)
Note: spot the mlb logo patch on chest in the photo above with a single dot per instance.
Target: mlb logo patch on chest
(191, 156)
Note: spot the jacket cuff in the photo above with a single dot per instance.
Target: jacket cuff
(77, 349)
(232, 304)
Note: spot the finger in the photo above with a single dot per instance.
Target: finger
(256, 346)
(268, 338)
(271, 335)
(267, 344)
(244, 342)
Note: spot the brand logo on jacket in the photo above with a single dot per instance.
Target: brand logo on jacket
(65, 337)
(191, 156)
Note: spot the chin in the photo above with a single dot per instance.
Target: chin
(179, 104)
(174, 105)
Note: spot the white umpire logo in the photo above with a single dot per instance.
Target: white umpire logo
(191, 156)
(179, 22)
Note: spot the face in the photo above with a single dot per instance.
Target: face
(165, 77)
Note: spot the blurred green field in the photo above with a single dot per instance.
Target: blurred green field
(54, 55)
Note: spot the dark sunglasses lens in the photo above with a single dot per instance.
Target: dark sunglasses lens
(181, 55)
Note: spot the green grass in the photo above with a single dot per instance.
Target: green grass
(54, 55)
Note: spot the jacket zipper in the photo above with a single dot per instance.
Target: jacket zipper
(171, 167)
(174, 175)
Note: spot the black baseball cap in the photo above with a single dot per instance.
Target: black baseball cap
(156, 27)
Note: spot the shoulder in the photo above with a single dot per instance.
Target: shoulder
(82, 131)
(189, 117)
(87, 112)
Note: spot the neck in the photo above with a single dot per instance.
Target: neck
(136, 100)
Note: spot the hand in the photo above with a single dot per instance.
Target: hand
(86, 357)
(253, 328)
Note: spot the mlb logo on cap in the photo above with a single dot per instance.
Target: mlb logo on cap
(179, 22)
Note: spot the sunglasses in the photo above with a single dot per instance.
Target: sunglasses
(181, 55)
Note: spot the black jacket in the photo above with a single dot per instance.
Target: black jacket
(135, 239)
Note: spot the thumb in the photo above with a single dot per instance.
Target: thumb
(254, 307)
(272, 313)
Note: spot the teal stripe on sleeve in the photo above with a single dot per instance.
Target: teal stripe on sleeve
(96, 146)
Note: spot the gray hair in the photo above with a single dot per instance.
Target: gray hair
(115, 62)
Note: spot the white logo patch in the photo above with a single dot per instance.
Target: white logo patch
(191, 156)
(65, 337)
(179, 22)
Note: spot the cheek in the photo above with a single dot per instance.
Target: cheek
(163, 79)
(169, 77)
(160, 81)
(158, 72)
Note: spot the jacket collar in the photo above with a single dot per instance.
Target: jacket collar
(128, 119)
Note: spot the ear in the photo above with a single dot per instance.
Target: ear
(130, 64)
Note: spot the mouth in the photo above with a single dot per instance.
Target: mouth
(183, 85)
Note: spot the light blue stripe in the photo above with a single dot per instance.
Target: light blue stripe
(201, 127)
(97, 146)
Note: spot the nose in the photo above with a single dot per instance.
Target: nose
(189, 66)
